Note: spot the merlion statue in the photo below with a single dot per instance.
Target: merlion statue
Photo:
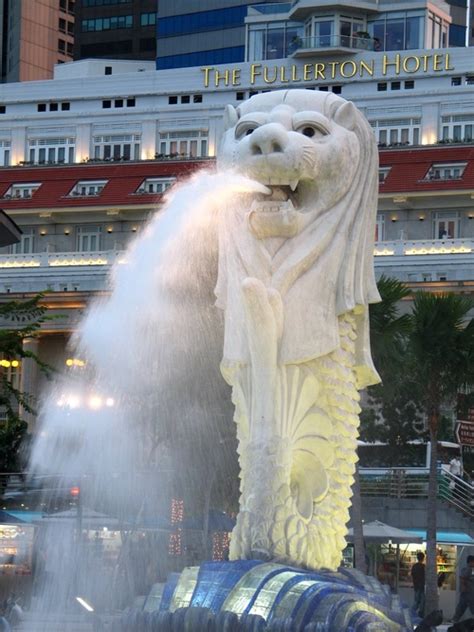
(295, 280)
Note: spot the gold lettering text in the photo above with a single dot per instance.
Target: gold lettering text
(334, 65)
(319, 71)
(266, 75)
(283, 77)
(307, 74)
(236, 77)
(425, 59)
(206, 72)
(437, 58)
(294, 73)
(351, 72)
(408, 60)
(386, 63)
(255, 71)
(219, 76)
(369, 69)
(446, 63)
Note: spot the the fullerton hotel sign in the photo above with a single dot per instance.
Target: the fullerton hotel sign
(257, 73)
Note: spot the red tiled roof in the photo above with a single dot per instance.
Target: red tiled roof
(123, 180)
(410, 166)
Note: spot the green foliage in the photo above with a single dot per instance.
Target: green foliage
(18, 320)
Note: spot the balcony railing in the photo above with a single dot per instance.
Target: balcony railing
(62, 259)
(401, 483)
(333, 41)
(421, 247)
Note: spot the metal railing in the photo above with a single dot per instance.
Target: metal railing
(403, 483)
(334, 41)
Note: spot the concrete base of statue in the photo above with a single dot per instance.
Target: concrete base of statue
(256, 596)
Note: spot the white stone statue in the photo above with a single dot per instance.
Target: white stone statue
(295, 280)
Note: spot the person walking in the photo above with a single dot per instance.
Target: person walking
(466, 596)
(418, 578)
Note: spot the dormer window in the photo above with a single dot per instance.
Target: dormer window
(22, 190)
(88, 188)
(447, 171)
(383, 173)
(155, 185)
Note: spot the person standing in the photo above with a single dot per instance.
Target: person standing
(466, 596)
(418, 578)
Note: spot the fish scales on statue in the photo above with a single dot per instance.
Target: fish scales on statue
(295, 280)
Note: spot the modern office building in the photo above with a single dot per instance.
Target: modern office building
(123, 29)
(35, 36)
(85, 157)
(223, 31)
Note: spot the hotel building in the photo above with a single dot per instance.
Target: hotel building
(86, 157)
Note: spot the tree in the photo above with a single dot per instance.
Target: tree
(388, 330)
(18, 320)
(441, 348)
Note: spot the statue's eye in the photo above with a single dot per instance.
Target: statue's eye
(244, 129)
(312, 131)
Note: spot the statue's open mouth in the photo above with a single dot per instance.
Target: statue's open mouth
(282, 198)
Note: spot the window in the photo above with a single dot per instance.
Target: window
(62, 5)
(192, 144)
(108, 70)
(3, 109)
(337, 89)
(274, 40)
(131, 102)
(118, 103)
(41, 107)
(382, 87)
(61, 46)
(409, 85)
(107, 24)
(26, 245)
(65, 105)
(89, 238)
(62, 25)
(470, 80)
(70, 48)
(452, 171)
(172, 100)
(383, 173)
(22, 190)
(458, 128)
(380, 228)
(185, 98)
(400, 31)
(148, 19)
(51, 150)
(88, 188)
(397, 131)
(5, 152)
(446, 225)
(395, 85)
(240, 96)
(456, 81)
(107, 103)
(117, 147)
(197, 98)
(53, 107)
(155, 185)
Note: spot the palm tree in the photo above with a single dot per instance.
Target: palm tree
(441, 348)
(387, 331)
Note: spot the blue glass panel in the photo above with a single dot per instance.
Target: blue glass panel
(202, 58)
(202, 21)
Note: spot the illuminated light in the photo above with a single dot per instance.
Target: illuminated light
(110, 229)
(383, 253)
(73, 401)
(109, 402)
(421, 218)
(394, 218)
(5, 363)
(95, 402)
(15, 363)
(134, 229)
(84, 604)
(20, 264)
(78, 262)
(75, 491)
(66, 231)
(42, 232)
(69, 362)
(439, 251)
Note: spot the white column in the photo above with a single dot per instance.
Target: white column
(29, 381)
(149, 147)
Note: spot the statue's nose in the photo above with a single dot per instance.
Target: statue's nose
(268, 139)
